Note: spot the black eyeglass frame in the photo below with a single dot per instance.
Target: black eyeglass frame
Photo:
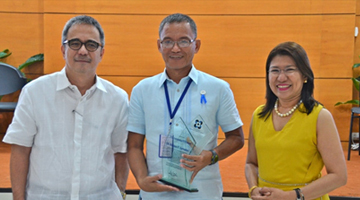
(82, 43)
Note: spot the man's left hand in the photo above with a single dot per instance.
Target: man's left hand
(195, 163)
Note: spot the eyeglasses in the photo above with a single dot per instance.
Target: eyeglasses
(183, 43)
(76, 44)
(287, 71)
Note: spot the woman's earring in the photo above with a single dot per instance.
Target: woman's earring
(305, 81)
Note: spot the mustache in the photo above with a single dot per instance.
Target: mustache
(82, 59)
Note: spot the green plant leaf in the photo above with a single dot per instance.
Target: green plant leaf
(5, 53)
(354, 102)
(356, 65)
(356, 83)
(31, 60)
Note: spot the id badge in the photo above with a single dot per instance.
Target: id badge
(166, 146)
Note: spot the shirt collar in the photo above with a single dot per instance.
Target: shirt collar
(63, 82)
(193, 74)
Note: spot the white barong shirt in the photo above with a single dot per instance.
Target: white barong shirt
(73, 137)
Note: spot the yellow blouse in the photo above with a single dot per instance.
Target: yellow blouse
(288, 158)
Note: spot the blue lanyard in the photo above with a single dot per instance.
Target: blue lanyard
(172, 114)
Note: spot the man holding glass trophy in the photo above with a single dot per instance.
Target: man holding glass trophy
(179, 112)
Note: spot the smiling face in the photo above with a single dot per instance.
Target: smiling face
(285, 79)
(82, 61)
(176, 58)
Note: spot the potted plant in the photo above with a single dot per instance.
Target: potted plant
(356, 83)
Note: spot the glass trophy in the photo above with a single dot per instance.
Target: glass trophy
(183, 139)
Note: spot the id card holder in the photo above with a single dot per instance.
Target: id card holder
(166, 146)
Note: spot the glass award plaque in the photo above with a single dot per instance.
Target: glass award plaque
(182, 139)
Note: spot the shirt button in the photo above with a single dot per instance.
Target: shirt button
(177, 124)
(178, 90)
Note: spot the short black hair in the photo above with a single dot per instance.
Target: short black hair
(83, 19)
(178, 18)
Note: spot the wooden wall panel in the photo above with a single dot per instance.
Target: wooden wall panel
(201, 7)
(27, 6)
(23, 39)
(357, 9)
(357, 41)
(239, 44)
(330, 91)
(337, 42)
(242, 43)
(249, 93)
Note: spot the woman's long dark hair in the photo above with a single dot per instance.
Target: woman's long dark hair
(298, 54)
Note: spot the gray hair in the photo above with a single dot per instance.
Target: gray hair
(83, 19)
(178, 18)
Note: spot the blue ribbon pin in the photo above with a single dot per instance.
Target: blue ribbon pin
(203, 99)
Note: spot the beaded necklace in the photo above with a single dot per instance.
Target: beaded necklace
(289, 112)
